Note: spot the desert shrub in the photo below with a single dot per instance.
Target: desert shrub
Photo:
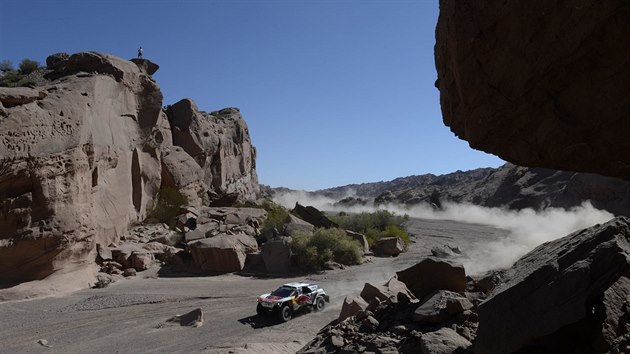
(276, 216)
(374, 226)
(6, 65)
(169, 202)
(27, 66)
(323, 246)
(363, 222)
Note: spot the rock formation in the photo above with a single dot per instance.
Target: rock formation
(83, 156)
(220, 145)
(574, 285)
(542, 84)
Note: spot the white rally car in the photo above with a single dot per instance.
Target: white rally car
(292, 297)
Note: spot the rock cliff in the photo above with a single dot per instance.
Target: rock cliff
(82, 157)
(540, 84)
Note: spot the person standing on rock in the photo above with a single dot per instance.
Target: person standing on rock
(140, 53)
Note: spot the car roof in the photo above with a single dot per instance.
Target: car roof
(297, 285)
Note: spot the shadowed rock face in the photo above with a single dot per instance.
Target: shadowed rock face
(542, 83)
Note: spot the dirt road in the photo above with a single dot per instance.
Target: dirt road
(130, 315)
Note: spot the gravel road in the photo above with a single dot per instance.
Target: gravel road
(131, 315)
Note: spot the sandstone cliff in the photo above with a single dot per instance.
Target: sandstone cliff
(82, 157)
(539, 83)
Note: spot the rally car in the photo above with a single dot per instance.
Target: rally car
(290, 298)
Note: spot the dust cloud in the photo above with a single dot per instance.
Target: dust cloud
(527, 228)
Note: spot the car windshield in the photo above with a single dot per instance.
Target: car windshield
(283, 292)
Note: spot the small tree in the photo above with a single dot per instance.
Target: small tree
(27, 66)
(6, 65)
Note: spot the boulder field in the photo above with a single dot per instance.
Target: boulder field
(83, 157)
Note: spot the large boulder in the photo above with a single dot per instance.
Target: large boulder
(392, 288)
(351, 306)
(277, 255)
(441, 307)
(388, 246)
(56, 58)
(220, 144)
(433, 274)
(549, 292)
(444, 341)
(293, 225)
(530, 95)
(361, 239)
(222, 253)
(313, 216)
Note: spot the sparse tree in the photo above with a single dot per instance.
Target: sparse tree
(27, 66)
(6, 65)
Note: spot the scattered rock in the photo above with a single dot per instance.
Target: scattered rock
(360, 238)
(388, 246)
(194, 235)
(141, 260)
(330, 265)
(44, 343)
(444, 341)
(293, 225)
(121, 256)
(313, 216)
(352, 305)
(129, 272)
(193, 318)
(103, 281)
(441, 307)
(104, 253)
(433, 274)
(222, 253)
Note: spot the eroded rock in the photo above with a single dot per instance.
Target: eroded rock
(560, 283)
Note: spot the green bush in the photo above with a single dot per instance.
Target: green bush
(169, 202)
(374, 226)
(27, 66)
(15, 79)
(6, 65)
(276, 216)
(325, 245)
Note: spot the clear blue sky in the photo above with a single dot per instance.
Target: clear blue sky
(334, 92)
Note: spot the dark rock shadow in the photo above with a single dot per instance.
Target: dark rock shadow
(258, 321)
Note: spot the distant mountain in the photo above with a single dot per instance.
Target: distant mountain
(510, 186)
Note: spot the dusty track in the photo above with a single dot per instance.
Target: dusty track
(130, 315)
